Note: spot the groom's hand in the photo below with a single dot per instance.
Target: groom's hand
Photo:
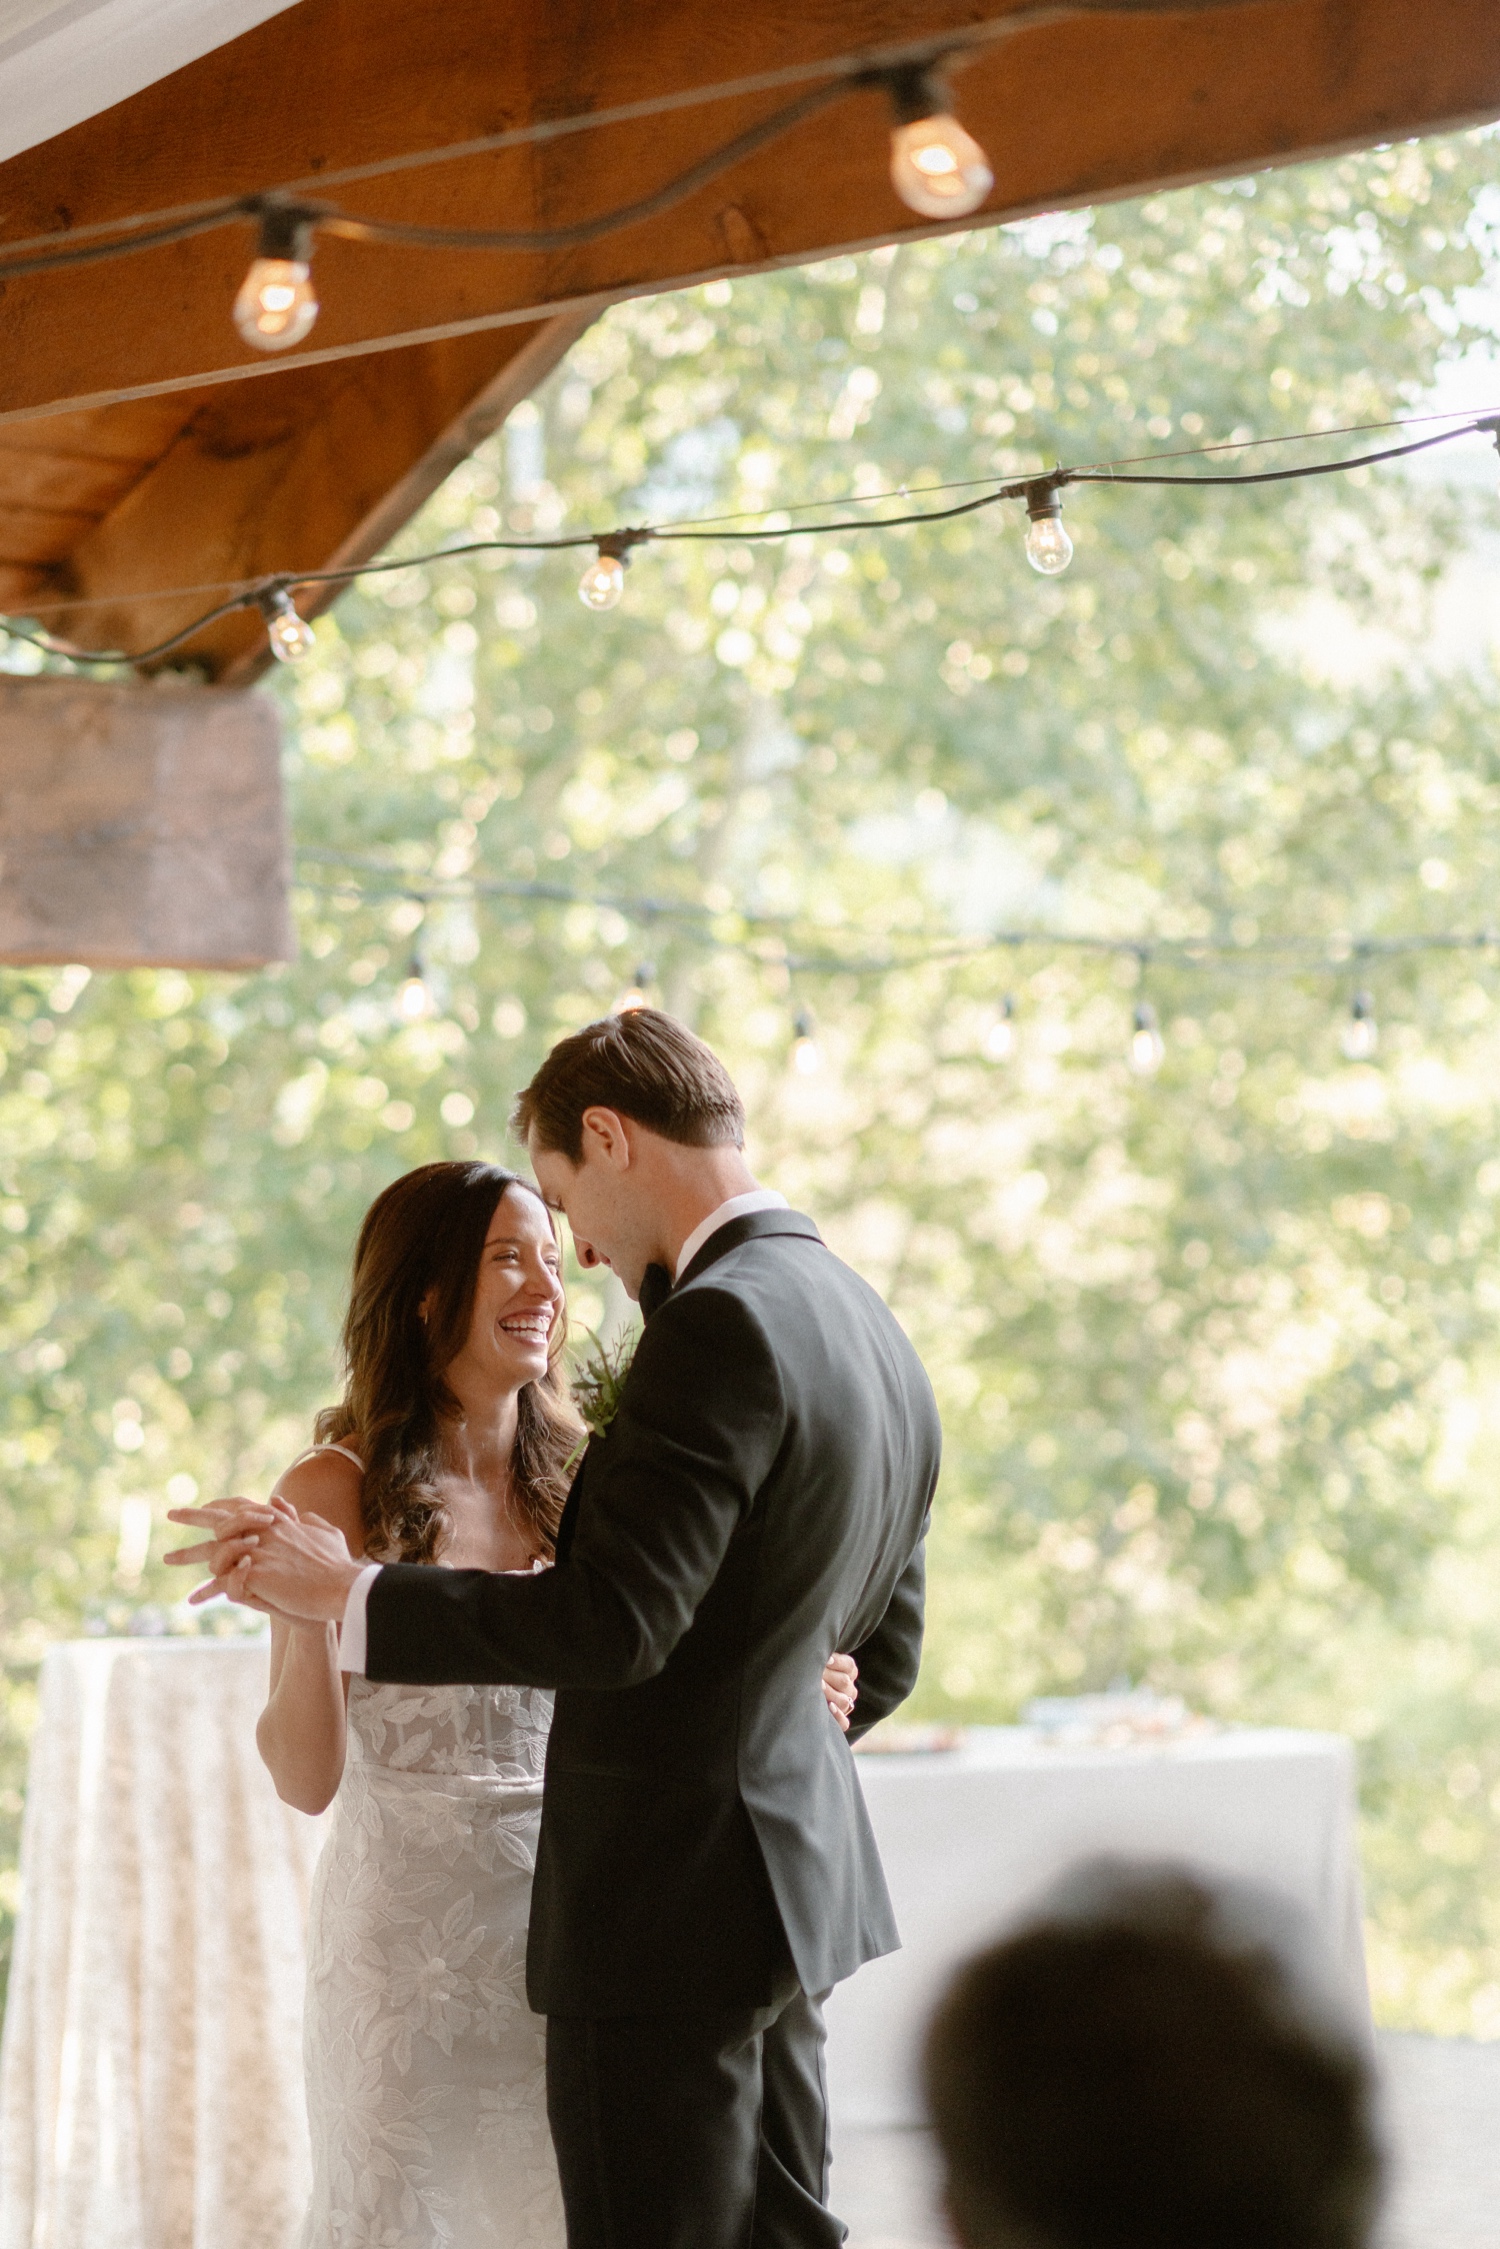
(270, 1558)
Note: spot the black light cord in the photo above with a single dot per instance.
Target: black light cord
(1488, 427)
(324, 218)
(263, 592)
(1306, 955)
(850, 72)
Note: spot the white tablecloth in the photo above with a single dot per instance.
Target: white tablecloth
(151, 2079)
(151, 2076)
(971, 1836)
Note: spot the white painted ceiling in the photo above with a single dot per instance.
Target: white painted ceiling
(64, 60)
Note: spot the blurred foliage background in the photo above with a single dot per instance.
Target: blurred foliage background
(1216, 1348)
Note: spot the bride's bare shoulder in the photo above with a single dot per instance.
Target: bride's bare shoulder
(327, 1483)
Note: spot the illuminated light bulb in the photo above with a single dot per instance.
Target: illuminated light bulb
(807, 1055)
(937, 169)
(413, 1000)
(1148, 1049)
(277, 306)
(1048, 547)
(1000, 1038)
(603, 582)
(637, 996)
(291, 636)
(1361, 1033)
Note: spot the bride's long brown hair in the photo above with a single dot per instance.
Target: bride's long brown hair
(423, 1239)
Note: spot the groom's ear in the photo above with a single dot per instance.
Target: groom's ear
(607, 1137)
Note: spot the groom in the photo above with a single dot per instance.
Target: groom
(705, 1870)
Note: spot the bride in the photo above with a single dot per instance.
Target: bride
(452, 1446)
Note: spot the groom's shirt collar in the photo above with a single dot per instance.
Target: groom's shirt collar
(738, 1206)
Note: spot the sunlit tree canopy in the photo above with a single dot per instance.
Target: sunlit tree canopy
(1215, 1345)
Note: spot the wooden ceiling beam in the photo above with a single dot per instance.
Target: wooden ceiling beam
(1072, 112)
(314, 470)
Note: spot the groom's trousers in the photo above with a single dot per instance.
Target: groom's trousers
(693, 2131)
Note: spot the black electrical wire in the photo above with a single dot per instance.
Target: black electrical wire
(1281, 476)
(849, 72)
(256, 592)
(1109, 474)
(323, 218)
(1304, 955)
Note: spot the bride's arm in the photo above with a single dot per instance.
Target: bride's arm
(301, 1733)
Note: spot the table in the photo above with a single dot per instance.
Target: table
(156, 1996)
(971, 1837)
(151, 2075)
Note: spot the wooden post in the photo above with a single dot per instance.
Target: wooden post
(141, 826)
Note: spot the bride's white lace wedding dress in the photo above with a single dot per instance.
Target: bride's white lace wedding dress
(425, 2085)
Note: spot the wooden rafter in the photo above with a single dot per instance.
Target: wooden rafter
(143, 445)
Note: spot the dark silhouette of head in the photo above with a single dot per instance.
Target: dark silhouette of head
(1152, 2063)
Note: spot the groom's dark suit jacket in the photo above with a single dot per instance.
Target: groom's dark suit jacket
(759, 1501)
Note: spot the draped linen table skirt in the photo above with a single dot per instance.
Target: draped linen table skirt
(971, 1839)
(151, 2074)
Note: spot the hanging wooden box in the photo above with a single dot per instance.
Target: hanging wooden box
(141, 826)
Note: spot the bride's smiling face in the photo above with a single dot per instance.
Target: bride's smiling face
(518, 1295)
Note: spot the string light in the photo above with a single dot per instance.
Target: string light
(1000, 1038)
(1147, 1047)
(603, 582)
(276, 306)
(1048, 547)
(413, 1000)
(638, 993)
(1284, 956)
(1361, 1033)
(1289, 954)
(937, 169)
(291, 636)
(807, 1055)
(831, 77)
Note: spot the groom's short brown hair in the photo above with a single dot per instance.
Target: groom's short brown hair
(644, 1065)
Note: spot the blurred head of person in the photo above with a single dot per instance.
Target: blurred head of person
(1154, 2062)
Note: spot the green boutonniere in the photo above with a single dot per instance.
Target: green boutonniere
(598, 1378)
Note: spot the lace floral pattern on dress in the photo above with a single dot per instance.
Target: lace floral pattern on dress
(425, 2066)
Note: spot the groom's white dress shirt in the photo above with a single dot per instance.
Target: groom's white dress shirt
(352, 1630)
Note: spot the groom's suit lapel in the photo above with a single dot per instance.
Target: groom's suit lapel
(656, 1287)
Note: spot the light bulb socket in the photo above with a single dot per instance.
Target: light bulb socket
(1362, 1008)
(615, 546)
(1145, 1016)
(1044, 499)
(645, 973)
(917, 90)
(286, 231)
(802, 1024)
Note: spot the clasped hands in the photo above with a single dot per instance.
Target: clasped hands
(264, 1555)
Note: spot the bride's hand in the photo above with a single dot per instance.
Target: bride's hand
(839, 1688)
(237, 1526)
(290, 1565)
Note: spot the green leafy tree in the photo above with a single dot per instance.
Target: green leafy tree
(1214, 1347)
